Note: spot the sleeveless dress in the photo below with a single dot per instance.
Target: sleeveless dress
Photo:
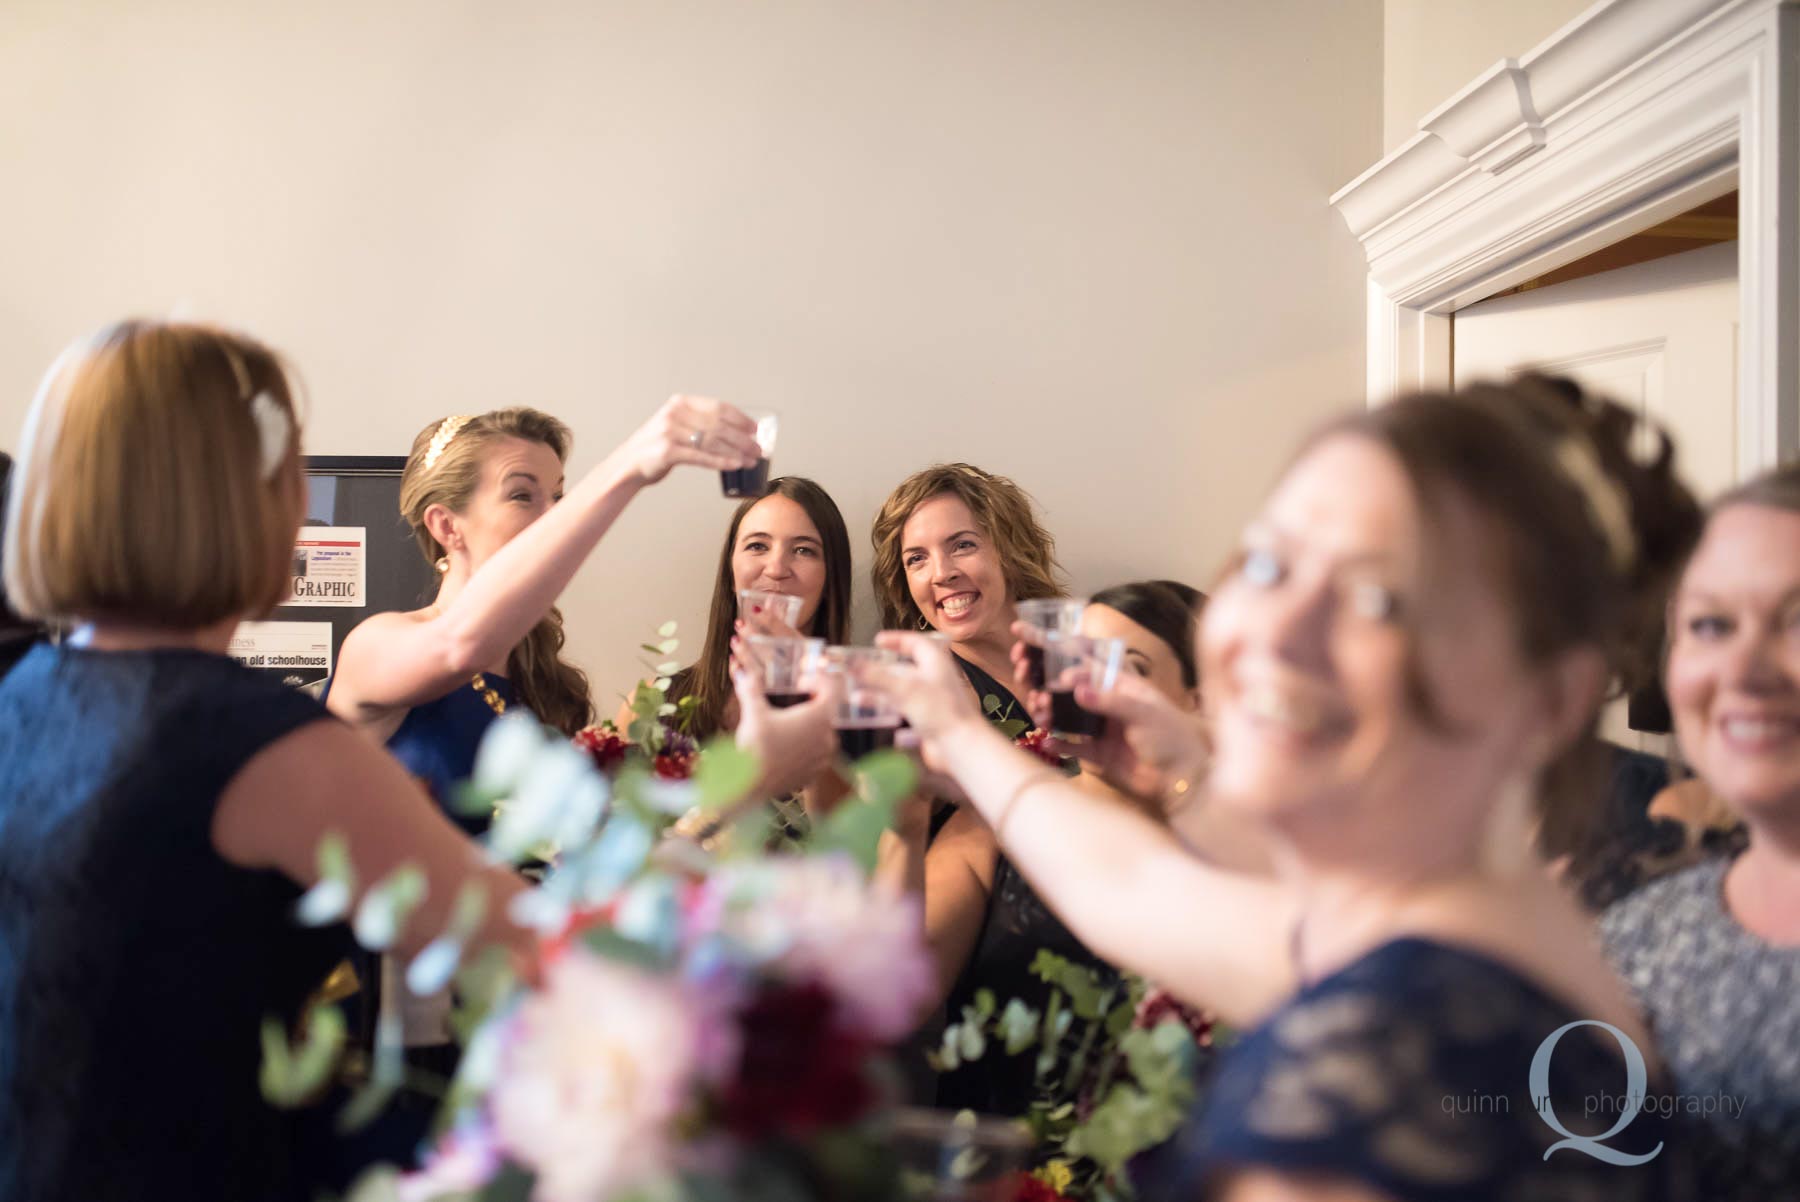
(136, 965)
(437, 742)
(1015, 926)
(1412, 1072)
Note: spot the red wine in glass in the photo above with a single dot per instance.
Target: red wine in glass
(857, 739)
(781, 701)
(1034, 665)
(750, 481)
(1068, 718)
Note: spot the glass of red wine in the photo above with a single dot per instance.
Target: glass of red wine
(866, 717)
(1047, 615)
(785, 664)
(753, 481)
(1071, 659)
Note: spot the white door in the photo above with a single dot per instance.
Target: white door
(1660, 336)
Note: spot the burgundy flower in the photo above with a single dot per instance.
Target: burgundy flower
(673, 765)
(800, 1072)
(1160, 1004)
(1037, 742)
(606, 746)
(1030, 1189)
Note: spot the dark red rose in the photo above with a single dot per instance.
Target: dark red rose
(1037, 742)
(800, 1071)
(673, 765)
(1160, 1004)
(606, 746)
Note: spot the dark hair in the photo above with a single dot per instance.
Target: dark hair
(1005, 514)
(708, 679)
(1591, 537)
(1190, 596)
(1164, 612)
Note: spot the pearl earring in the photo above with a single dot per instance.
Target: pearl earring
(442, 565)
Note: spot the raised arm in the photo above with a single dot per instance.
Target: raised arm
(1123, 883)
(325, 778)
(395, 661)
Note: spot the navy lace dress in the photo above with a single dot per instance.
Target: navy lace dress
(136, 965)
(1410, 1072)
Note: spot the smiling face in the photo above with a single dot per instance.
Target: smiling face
(1342, 606)
(778, 550)
(1734, 659)
(953, 571)
(520, 480)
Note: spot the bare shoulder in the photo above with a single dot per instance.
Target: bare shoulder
(966, 839)
(376, 625)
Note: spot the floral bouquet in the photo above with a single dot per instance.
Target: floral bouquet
(659, 733)
(706, 1025)
(1115, 1069)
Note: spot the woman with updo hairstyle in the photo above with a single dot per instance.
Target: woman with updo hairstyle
(162, 806)
(484, 497)
(1713, 952)
(1403, 667)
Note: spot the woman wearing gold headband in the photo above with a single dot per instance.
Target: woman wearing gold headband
(484, 497)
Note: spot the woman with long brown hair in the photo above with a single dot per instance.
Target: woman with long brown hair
(790, 540)
(484, 497)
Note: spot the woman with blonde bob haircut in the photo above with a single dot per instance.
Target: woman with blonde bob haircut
(161, 806)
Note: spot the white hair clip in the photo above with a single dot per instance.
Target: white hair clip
(445, 432)
(1607, 503)
(273, 430)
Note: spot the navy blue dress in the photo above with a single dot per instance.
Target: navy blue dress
(1410, 1072)
(437, 742)
(136, 965)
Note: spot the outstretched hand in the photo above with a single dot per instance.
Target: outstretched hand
(695, 430)
(794, 745)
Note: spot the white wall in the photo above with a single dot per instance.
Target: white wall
(1083, 244)
(1431, 48)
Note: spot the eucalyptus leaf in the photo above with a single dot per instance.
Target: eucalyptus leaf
(725, 773)
(435, 966)
(290, 1077)
(668, 646)
(971, 1043)
(990, 704)
(665, 630)
(510, 746)
(667, 668)
(379, 1184)
(984, 1002)
(365, 1106)
(384, 909)
(854, 828)
(1081, 984)
(949, 1054)
(1018, 1027)
(1012, 728)
(548, 795)
(886, 776)
(328, 901)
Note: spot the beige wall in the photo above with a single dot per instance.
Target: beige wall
(1086, 245)
(1433, 47)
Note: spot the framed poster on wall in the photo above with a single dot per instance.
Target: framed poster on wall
(354, 556)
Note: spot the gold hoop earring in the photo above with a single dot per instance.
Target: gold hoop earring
(923, 624)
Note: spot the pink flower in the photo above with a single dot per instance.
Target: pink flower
(815, 919)
(461, 1163)
(599, 1064)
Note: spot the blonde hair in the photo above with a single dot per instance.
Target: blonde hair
(1001, 509)
(445, 469)
(140, 491)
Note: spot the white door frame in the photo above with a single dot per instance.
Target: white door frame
(1633, 112)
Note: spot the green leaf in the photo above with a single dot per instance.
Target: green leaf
(1081, 984)
(971, 1043)
(984, 1002)
(668, 646)
(379, 1184)
(604, 941)
(724, 774)
(855, 829)
(510, 1184)
(886, 776)
(1012, 728)
(990, 704)
(328, 901)
(387, 905)
(948, 1057)
(365, 1106)
(665, 630)
(290, 1078)
(1018, 1026)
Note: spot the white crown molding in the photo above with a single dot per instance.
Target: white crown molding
(1632, 113)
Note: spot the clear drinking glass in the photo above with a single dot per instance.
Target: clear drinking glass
(757, 606)
(753, 481)
(1047, 615)
(784, 664)
(1071, 659)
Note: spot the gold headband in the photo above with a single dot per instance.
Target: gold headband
(1608, 505)
(445, 432)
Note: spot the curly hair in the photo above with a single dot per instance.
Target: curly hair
(1002, 510)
